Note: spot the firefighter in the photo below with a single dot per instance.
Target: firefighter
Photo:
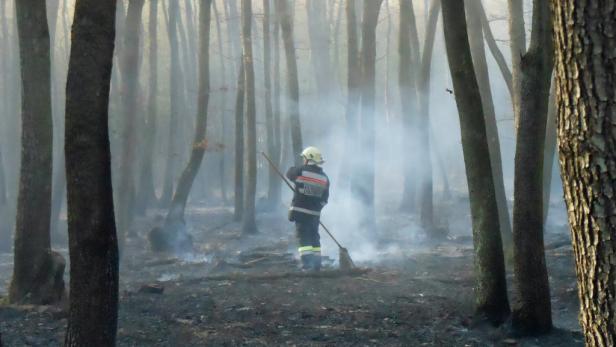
(311, 195)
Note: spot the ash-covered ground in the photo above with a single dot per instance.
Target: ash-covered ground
(246, 290)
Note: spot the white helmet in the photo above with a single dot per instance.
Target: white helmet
(313, 154)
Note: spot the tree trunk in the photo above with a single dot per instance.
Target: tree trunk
(407, 82)
(364, 188)
(286, 25)
(353, 92)
(549, 152)
(426, 183)
(238, 211)
(5, 230)
(475, 39)
(273, 192)
(491, 289)
(38, 272)
(276, 154)
(146, 190)
(532, 312)
(249, 224)
(175, 99)
(92, 233)
(517, 34)
(224, 132)
(180, 198)
(493, 46)
(586, 144)
(129, 63)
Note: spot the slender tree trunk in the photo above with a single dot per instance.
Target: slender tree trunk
(6, 226)
(91, 223)
(224, 132)
(146, 190)
(129, 63)
(426, 183)
(549, 152)
(493, 46)
(5, 230)
(249, 224)
(532, 311)
(239, 145)
(277, 150)
(480, 63)
(273, 192)
(176, 96)
(38, 272)
(517, 34)
(286, 25)
(586, 143)
(364, 188)
(353, 83)
(491, 289)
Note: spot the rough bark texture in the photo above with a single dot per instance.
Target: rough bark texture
(146, 191)
(93, 243)
(197, 151)
(491, 288)
(37, 273)
(129, 63)
(585, 85)
(532, 312)
(249, 224)
(474, 9)
(364, 187)
(238, 211)
(286, 25)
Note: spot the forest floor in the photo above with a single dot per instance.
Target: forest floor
(246, 290)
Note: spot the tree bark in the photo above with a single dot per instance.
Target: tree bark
(532, 311)
(146, 189)
(517, 34)
(91, 223)
(491, 289)
(180, 198)
(249, 224)
(364, 188)
(585, 88)
(286, 25)
(475, 37)
(38, 272)
(129, 63)
(493, 46)
(273, 190)
(238, 211)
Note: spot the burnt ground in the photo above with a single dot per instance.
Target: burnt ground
(245, 290)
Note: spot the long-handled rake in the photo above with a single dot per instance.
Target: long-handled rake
(346, 263)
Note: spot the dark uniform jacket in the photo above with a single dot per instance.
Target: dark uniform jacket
(311, 192)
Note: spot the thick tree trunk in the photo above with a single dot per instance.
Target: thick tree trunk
(38, 272)
(180, 198)
(364, 187)
(129, 63)
(92, 233)
(286, 25)
(249, 224)
(583, 37)
(532, 311)
(147, 191)
(238, 211)
(475, 38)
(491, 289)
